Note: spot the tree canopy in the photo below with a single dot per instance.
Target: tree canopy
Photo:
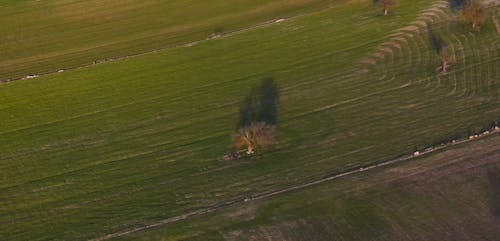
(474, 13)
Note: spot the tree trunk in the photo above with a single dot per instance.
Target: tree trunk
(250, 150)
(386, 11)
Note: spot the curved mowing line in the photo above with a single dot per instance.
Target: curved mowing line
(412, 38)
(426, 16)
(267, 195)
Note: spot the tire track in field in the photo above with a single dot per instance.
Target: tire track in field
(262, 196)
(321, 109)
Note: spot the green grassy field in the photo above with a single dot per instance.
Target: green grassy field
(46, 36)
(123, 144)
(451, 195)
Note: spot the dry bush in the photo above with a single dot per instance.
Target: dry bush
(474, 13)
(254, 136)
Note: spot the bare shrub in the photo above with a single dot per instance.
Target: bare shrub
(255, 135)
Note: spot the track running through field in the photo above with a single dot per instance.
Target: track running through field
(267, 195)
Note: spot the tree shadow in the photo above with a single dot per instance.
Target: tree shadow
(437, 43)
(260, 105)
(457, 5)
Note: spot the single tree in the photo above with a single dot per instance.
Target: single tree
(474, 13)
(253, 136)
(258, 116)
(385, 5)
(445, 56)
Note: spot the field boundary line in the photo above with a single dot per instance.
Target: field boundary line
(417, 154)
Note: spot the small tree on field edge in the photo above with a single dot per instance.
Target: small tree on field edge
(385, 5)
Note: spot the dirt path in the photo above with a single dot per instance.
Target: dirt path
(427, 151)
